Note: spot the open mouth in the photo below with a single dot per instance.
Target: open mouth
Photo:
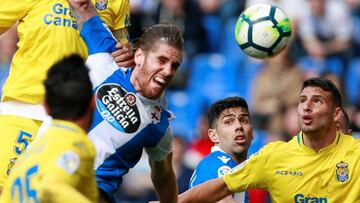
(307, 120)
(240, 139)
(159, 81)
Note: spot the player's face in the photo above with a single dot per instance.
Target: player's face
(234, 131)
(155, 69)
(315, 110)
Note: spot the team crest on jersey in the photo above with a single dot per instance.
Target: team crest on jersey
(101, 5)
(118, 107)
(342, 171)
(223, 170)
(155, 114)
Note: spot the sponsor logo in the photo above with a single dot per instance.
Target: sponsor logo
(60, 16)
(224, 159)
(223, 170)
(118, 107)
(300, 198)
(342, 171)
(101, 5)
(69, 161)
(288, 173)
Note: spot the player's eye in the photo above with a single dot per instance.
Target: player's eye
(302, 99)
(162, 60)
(317, 100)
(244, 120)
(228, 121)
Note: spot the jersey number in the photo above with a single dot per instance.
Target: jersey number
(21, 190)
(23, 140)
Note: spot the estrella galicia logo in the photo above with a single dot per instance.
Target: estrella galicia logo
(117, 107)
(101, 5)
(342, 171)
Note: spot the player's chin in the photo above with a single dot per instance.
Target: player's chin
(154, 91)
(240, 148)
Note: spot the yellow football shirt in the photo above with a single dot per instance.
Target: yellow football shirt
(57, 167)
(47, 33)
(292, 172)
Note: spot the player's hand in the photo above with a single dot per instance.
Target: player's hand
(83, 9)
(78, 4)
(123, 56)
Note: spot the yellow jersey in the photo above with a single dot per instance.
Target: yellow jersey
(57, 167)
(293, 172)
(47, 33)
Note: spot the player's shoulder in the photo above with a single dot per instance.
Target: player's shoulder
(276, 146)
(350, 142)
(273, 149)
(216, 158)
(67, 136)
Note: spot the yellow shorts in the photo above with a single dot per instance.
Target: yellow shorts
(16, 133)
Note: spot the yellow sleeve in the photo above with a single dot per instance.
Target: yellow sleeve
(122, 19)
(251, 173)
(11, 11)
(58, 192)
(70, 177)
(115, 13)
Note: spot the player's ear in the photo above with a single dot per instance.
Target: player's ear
(139, 56)
(47, 108)
(92, 104)
(213, 135)
(337, 114)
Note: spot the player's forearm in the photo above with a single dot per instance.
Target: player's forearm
(164, 180)
(210, 191)
(121, 35)
(228, 199)
(82, 10)
(166, 189)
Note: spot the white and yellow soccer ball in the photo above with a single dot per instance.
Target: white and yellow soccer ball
(262, 30)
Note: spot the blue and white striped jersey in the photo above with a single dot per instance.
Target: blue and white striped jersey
(215, 165)
(124, 122)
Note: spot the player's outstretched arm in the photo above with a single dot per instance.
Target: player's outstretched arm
(164, 179)
(210, 191)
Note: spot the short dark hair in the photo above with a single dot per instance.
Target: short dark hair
(167, 33)
(68, 88)
(218, 107)
(326, 85)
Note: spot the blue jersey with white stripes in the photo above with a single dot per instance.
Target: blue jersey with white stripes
(124, 122)
(215, 165)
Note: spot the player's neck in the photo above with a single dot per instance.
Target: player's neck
(134, 80)
(239, 158)
(319, 139)
(84, 121)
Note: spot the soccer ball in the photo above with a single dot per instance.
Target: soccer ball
(262, 30)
